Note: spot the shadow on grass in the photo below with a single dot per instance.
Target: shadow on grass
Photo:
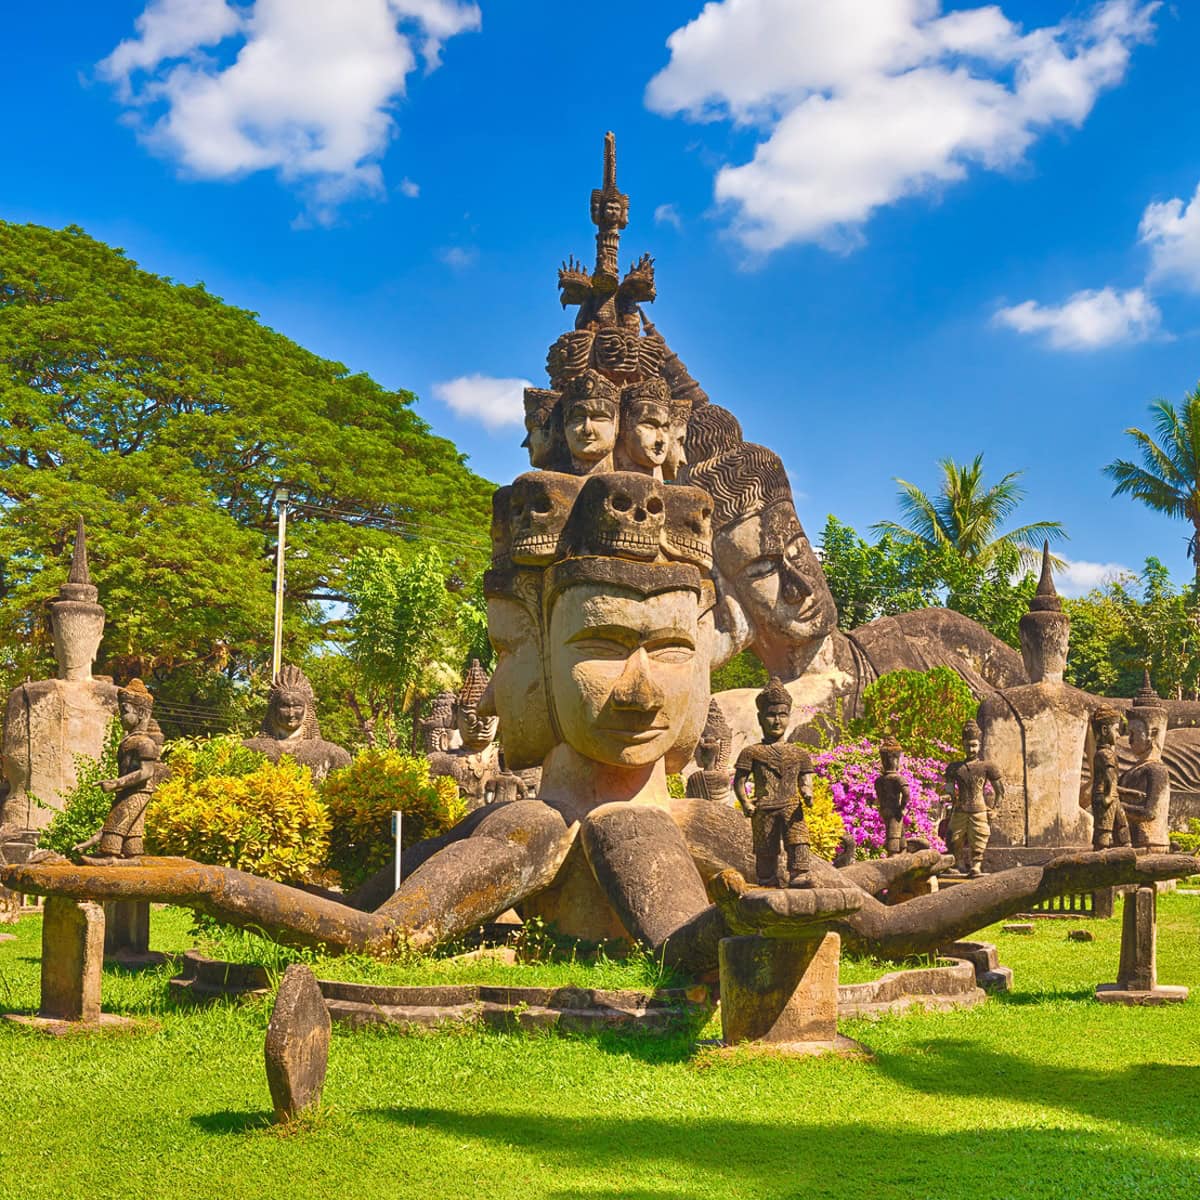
(232, 1122)
(1017, 999)
(1157, 1096)
(773, 1158)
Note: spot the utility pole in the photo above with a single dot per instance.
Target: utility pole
(281, 499)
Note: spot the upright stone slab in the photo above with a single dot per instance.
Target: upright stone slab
(127, 933)
(782, 992)
(72, 956)
(1137, 974)
(297, 1049)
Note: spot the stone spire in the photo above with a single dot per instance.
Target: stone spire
(610, 214)
(1045, 629)
(76, 620)
(1147, 697)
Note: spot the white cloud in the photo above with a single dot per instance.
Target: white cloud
(495, 402)
(410, 189)
(458, 258)
(668, 214)
(1078, 576)
(1171, 230)
(1088, 320)
(308, 92)
(864, 102)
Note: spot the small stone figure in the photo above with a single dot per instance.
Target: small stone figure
(968, 780)
(782, 775)
(138, 761)
(437, 729)
(892, 794)
(712, 781)
(1110, 827)
(477, 760)
(1145, 789)
(504, 787)
(290, 727)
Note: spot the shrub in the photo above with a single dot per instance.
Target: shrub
(676, 786)
(268, 820)
(825, 825)
(924, 710)
(1189, 842)
(85, 807)
(194, 759)
(361, 799)
(851, 770)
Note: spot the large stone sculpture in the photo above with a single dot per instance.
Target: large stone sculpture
(1110, 827)
(603, 614)
(49, 722)
(891, 794)
(1145, 789)
(782, 776)
(968, 780)
(476, 762)
(290, 727)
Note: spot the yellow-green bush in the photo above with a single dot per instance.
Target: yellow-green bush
(676, 786)
(361, 797)
(270, 820)
(825, 827)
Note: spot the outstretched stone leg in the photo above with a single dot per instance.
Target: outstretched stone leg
(516, 851)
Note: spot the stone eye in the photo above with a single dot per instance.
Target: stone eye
(541, 504)
(622, 503)
(654, 505)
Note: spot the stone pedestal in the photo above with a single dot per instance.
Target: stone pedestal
(783, 993)
(1137, 975)
(127, 934)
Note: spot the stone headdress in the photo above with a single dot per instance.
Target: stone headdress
(473, 686)
(712, 431)
(742, 482)
(1148, 705)
(136, 692)
(716, 729)
(971, 729)
(773, 696)
(1103, 714)
(291, 681)
(890, 745)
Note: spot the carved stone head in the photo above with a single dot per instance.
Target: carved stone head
(774, 704)
(716, 739)
(645, 427)
(291, 710)
(540, 503)
(477, 729)
(615, 354)
(1147, 720)
(890, 753)
(621, 514)
(687, 531)
(590, 407)
(134, 702)
(569, 356)
(1106, 722)
(543, 429)
(972, 740)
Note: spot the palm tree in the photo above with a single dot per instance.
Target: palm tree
(967, 516)
(1169, 479)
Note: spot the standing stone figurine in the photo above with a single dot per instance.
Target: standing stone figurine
(968, 779)
(477, 761)
(138, 761)
(712, 781)
(1145, 789)
(892, 794)
(290, 727)
(1110, 827)
(782, 775)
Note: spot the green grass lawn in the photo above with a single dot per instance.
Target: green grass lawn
(1042, 1093)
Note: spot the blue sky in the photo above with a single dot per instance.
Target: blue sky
(886, 231)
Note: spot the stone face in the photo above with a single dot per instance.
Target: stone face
(475, 764)
(780, 991)
(297, 1047)
(290, 727)
(72, 959)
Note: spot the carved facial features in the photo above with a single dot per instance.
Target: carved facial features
(687, 531)
(540, 503)
(773, 721)
(590, 426)
(620, 513)
(516, 692)
(890, 760)
(971, 746)
(1145, 734)
(1105, 731)
(646, 434)
(477, 729)
(132, 713)
(287, 713)
(622, 670)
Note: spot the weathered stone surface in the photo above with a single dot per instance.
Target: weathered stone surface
(201, 978)
(781, 992)
(72, 959)
(475, 764)
(139, 772)
(989, 973)
(1137, 975)
(940, 988)
(127, 933)
(290, 727)
(1025, 927)
(297, 1047)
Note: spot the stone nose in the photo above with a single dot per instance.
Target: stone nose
(636, 690)
(793, 586)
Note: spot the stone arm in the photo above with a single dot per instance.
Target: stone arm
(997, 781)
(1144, 806)
(144, 773)
(806, 788)
(741, 776)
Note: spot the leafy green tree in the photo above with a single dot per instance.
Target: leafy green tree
(924, 710)
(1168, 480)
(965, 515)
(168, 418)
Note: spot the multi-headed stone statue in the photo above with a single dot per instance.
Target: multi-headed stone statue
(1145, 789)
(892, 794)
(477, 760)
(713, 779)
(968, 780)
(290, 727)
(140, 770)
(1110, 827)
(782, 776)
(437, 729)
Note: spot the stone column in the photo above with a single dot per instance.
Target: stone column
(782, 992)
(1137, 975)
(127, 933)
(72, 955)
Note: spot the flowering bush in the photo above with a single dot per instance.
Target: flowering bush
(852, 768)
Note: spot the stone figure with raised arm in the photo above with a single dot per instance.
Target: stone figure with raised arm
(782, 777)
(138, 762)
(968, 780)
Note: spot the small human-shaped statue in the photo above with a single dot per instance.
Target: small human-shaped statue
(1145, 789)
(968, 780)
(782, 775)
(892, 794)
(290, 727)
(477, 760)
(138, 756)
(712, 780)
(503, 787)
(1110, 826)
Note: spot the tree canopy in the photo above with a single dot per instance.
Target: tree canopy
(167, 418)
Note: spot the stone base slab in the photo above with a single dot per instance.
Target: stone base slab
(1114, 993)
(107, 1023)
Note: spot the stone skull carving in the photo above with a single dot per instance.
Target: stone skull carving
(687, 531)
(621, 514)
(539, 505)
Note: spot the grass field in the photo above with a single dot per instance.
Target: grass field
(1042, 1093)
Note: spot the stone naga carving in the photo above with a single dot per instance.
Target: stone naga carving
(290, 727)
(476, 762)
